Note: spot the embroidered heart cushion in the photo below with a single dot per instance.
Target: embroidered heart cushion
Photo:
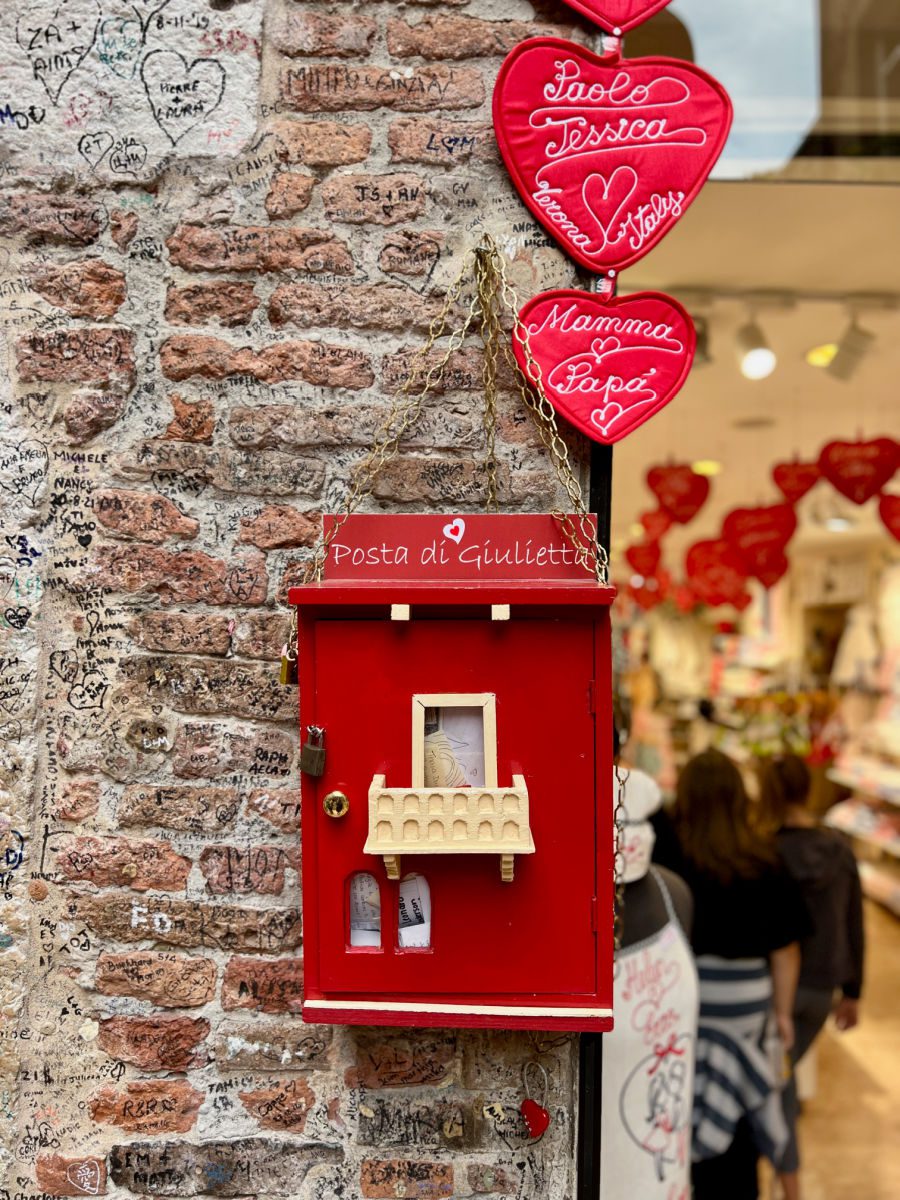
(680, 491)
(607, 363)
(715, 572)
(606, 152)
(618, 16)
(759, 535)
(794, 479)
(859, 470)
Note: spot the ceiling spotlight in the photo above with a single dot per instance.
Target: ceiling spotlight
(755, 358)
(822, 356)
(838, 524)
(706, 466)
(851, 350)
(702, 355)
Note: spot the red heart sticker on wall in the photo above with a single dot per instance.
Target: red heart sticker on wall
(759, 535)
(889, 511)
(794, 479)
(618, 16)
(607, 364)
(859, 470)
(716, 572)
(606, 152)
(679, 490)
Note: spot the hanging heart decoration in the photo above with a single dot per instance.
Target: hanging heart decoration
(644, 557)
(759, 535)
(607, 153)
(889, 511)
(859, 470)
(679, 490)
(536, 1117)
(716, 572)
(685, 598)
(608, 364)
(618, 16)
(656, 523)
(794, 479)
(652, 592)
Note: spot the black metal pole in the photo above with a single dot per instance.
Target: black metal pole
(590, 1050)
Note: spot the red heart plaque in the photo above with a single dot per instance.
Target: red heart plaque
(679, 490)
(606, 152)
(644, 557)
(608, 364)
(859, 470)
(716, 572)
(618, 16)
(759, 535)
(656, 523)
(794, 479)
(889, 511)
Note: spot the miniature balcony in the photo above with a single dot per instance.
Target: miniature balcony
(475, 820)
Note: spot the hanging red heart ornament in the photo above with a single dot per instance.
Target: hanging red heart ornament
(716, 572)
(606, 152)
(618, 16)
(859, 470)
(889, 511)
(536, 1117)
(608, 364)
(656, 523)
(679, 490)
(759, 535)
(644, 557)
(794, 479)
(652, 592)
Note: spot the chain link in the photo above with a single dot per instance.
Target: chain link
(619, 815)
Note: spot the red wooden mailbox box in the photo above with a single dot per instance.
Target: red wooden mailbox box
(458, 846)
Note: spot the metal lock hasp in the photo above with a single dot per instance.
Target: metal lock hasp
(312, 752)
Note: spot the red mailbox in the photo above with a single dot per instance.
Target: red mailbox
(458, 843)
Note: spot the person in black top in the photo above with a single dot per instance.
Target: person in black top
(831, 955)
(749, 920)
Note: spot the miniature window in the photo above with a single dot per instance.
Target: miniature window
(414, 913)
(454, 741)
(365, 910)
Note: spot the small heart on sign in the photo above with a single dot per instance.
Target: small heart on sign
(607, 153)
(455, 531)
(536, 1117)
(17, 618)
(607, 364)
(618, 16)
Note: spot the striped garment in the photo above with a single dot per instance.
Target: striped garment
(739, 1058)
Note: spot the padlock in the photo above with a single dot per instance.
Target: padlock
(288, 675)
(312, 752)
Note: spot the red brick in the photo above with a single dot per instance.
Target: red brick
(278, 526)
(80, 799)
(122, 227)
(411, 252)
(319, 363)
(336, 88)
(234, 870)
(374, 199)
(182, 633)
(281, 1105)
(384, 1180)
(98, 355)
(261, 635)
(204, 750)
(258, 248)
(90, 412)
(455, 37)
(193, 809)
(279, 806)
(73, 220)
(322, 143)
(327, 36)
(89, 288)
(233, 470)
(363, 306)
(78, 1175)
(148, 1106)
(464, 371)
(121, 862)
(169, 980)
(179, 577)
(289, 194)
(267, 1045)
(224, 301)
(156, 1043)
(191, 421)
(487, 1180)
(266, 986)
(394, 1058)
(440, 480)
(205, 686)
(144, 516)
(440, 143)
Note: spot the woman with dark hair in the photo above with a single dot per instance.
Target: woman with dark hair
(831, 956)
(749, 920)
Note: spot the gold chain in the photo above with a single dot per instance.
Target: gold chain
(492, 293)
(619, 861)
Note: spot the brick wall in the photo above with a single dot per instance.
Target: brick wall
(226, 225)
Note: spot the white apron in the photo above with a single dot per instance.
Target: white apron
(648, 1068)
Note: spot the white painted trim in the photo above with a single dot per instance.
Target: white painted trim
(492, 1010)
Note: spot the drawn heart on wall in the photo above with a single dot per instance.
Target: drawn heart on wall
(607, 364)
(716, 572)
(455, 531)
(146, 10)
(618, 16)
(23, 468)
(119, 45)
(94, 147)
(606, 152)
(85, 1176)
(90, 692)
(889, 511)
(859, 470)
(57, 37)
(182, 95)
(759, 535)
(794, 479)
(18, 617)
(680, 491)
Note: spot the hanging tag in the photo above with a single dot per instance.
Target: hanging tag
(535, 1115)
(288, 666)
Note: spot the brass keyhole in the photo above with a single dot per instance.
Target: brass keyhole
(336, 805)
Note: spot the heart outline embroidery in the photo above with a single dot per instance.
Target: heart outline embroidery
(455, 530)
